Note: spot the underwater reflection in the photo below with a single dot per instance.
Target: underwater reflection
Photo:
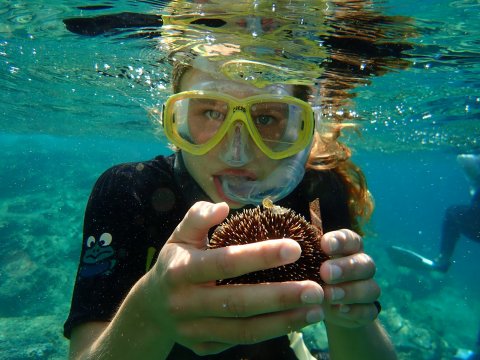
(337, 45)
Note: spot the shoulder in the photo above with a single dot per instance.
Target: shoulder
(137, 173)
(131, 183)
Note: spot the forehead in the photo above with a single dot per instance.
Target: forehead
(194, 79)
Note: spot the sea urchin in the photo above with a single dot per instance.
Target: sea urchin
(273, 222)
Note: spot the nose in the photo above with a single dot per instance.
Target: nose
(236, 146)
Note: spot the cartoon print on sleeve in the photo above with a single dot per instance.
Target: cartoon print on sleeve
(98, 257)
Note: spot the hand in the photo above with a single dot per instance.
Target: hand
(185, 301)
(350, 289)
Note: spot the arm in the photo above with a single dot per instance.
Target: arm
(177, 301)
(353, 332)
(369, 342)
(131, 332)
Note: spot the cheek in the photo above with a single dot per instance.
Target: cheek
(201, 169)
(264, 164)
(197, 166)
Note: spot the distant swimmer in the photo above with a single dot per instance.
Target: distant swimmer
(458, 220)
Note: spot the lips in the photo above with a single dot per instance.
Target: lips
(235, 178)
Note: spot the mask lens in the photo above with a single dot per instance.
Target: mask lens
(198, 119)
(279, 123)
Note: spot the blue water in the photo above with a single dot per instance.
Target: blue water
(62, 125)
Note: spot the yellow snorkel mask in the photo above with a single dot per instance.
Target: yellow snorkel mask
(196, 121)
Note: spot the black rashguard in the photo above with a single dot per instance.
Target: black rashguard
(132, 211)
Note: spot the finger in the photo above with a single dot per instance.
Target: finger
(246, 300)
(248, 330)
(341, 242)
(361, 292)
(349, 268)
(194, 227)
(232, 261)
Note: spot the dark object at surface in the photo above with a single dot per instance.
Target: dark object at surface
(255, 225)
(102, 24)
(94, 7)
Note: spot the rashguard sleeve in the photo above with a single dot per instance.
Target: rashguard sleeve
(114, 248)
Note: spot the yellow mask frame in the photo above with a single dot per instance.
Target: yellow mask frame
(238, 110)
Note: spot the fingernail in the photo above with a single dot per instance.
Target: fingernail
(314, 316)
(312, 296)
(218, 205)
(337, 293)
(333, 243)
(289, 254)
(344, 309)
(335, 272)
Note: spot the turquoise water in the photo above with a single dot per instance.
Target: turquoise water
(66, 115)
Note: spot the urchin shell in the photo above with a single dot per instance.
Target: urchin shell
(255, 225)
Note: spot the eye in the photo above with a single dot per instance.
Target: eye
(264, 120)
(268, 113)
(214, 115)
(90, 241)
(105, 239)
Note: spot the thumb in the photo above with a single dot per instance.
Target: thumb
(193, 229)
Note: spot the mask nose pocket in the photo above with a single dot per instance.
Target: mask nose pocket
(236, 146)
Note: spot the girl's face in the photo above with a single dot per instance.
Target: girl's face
(236, 155)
